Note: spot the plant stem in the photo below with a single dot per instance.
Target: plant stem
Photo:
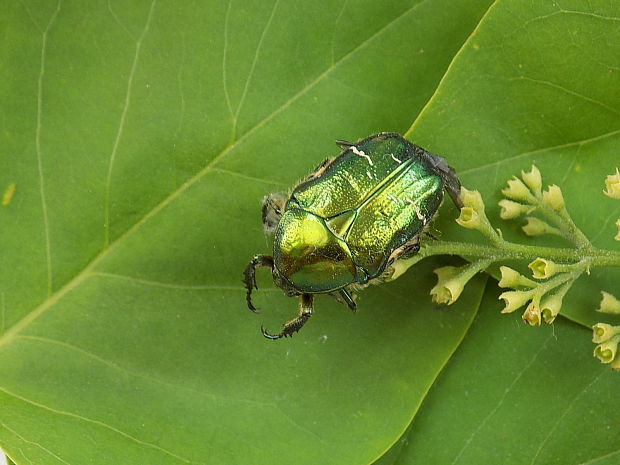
(504, 250)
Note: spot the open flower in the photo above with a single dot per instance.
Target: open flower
(532, 314)
(612, 185)
(606, 352)
(472, 212)
(603, 332)
(543, 268)
(469, 218)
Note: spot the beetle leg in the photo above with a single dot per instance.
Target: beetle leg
(410, 250)
(290, 327)
(344, 144)
(249, 276)
(450, 180)
(348, 299)
(344, 297)
(430, 235)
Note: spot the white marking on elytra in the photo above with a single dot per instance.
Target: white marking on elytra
(395, 159)
(392, 198)
(417, 210)
(369, 175)
(361, 153)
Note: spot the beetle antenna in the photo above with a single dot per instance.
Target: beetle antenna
(249, 276)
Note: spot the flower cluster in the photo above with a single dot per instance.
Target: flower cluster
(553, 270)
(526, 197)
(607, 336)
(545, 299)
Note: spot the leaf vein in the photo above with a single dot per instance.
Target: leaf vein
(135, 374)
(567, 409)
(542, 150)
(121, 125)
(36, 444)
(94, 422)
(224, 54)
(501, 400)
(256, 55)
(148, 282)
(567, 91)
(46, 226)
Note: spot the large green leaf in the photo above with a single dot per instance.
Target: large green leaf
(513, 396)
(537, 82)
(139, 138)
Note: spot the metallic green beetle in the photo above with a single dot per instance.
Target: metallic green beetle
(344, 226)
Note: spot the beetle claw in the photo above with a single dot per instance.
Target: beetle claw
(293, 326)
(269, 335)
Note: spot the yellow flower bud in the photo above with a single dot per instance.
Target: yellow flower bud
(615, 365)
(606, 351)
(551, 304)
(510, 209)
(536, 227)
(448, 287)
(472, 199)
(553, 197)
(451, 281)
(612, 185)
(512, 278)
(532, 179)
(550, 307)
(603, 332)
(609, 304)
(543, 268)
(617, 237)
(531, 315)
(516, 190)
(514, 300)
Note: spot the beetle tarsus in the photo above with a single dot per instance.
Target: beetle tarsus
(294, 325)
(249, 276)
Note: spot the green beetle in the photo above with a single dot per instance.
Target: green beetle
(345, 225)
